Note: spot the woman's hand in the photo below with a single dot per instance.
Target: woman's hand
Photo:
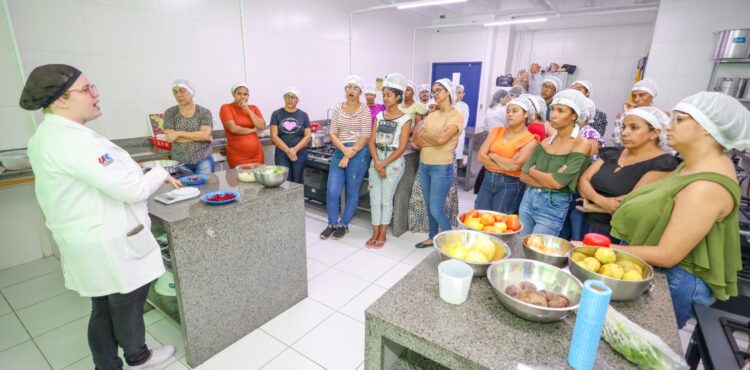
(292, 154)
(609, 205)
(379, 166)
(349, 152)
(382, 173)
(344, 162)
(590, 207)
(174, 182)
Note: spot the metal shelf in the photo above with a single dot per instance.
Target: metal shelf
(722, 61)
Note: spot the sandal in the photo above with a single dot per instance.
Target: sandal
(423, 245)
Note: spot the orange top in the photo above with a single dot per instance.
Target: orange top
(241, 149)
(509, 149)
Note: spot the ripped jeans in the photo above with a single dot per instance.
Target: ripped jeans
(382, 190)
(349, 178)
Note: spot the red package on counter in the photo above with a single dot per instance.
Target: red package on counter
(596, 240)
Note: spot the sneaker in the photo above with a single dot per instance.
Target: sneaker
(327, 232)
(340, 232)
(158, 356)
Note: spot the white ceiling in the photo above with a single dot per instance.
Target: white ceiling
(560, 13)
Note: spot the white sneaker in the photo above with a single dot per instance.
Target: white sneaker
(158, 356)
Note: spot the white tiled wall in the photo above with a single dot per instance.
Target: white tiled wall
(684, 43)
(607, 56)
(305, 44)
(23, 236)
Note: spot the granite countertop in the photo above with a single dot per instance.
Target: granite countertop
(483, 334)
(221, 180)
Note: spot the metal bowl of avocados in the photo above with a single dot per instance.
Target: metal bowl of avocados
(504, 236)
(168, 164)
(622, 290)
(468, 238)
(504, 273)
(270, 176)
(555, 253)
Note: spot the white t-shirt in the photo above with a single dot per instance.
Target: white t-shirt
(495, 117)
(462, 108)
(388, 132)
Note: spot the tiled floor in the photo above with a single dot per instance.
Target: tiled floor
(43, 325)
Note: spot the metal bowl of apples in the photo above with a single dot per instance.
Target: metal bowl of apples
(547, 248)
(491, 223)
(616, 269)
(534, 290)
(474, 248)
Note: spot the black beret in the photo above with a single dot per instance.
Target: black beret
(47, 83)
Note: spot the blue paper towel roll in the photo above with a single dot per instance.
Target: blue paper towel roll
(589, 322)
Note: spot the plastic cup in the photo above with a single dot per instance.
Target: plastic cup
(454, 280)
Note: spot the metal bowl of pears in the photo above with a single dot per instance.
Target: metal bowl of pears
(477, 249)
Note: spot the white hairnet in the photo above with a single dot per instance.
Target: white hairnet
(423, 87)
(573, 99)
(370, 90)
(410, 83)
(184, 84)
(584, 83)
(540, 105)
(497, 96)
(448, 84)
(589, 110)
(354, 79)
(293, 90)
(525, 104)
(656, 118)
(646, 85)
(237, 86)
(553, 80)
(516, 91)
(395, 81)
(725, 118)
(460, 87)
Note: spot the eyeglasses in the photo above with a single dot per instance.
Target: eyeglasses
(437, 91)
(290, 97)
(90, 89)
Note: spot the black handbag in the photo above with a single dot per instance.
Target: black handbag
(504, 81)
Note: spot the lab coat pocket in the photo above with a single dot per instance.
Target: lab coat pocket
(141, 244)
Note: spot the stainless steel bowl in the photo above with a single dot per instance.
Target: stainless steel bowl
(468, 237)
(515, 270)
(622, 290)
(558, 246)
(265, 177)
(168, 164)
(504, 236)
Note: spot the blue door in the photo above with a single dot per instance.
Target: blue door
(467, 74)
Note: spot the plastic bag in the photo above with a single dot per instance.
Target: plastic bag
(638, 344)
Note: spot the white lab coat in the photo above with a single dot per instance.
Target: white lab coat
(464, 109)
(92, 193)
(495, 117)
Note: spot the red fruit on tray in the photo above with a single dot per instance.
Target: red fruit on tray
(221, 197)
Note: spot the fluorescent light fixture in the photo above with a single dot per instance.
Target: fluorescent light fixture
(423, 3)
(516, 21)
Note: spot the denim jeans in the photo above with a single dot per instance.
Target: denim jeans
(349, 179)
(500, 193)
(383, 190)
(686, 289)
(543, 211)
(436, 183)
(575, 225)
(117, 319)
(296, 168)
(203, 167)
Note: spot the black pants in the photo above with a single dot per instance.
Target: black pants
(117, 320)
(480, 179)
(296, 168)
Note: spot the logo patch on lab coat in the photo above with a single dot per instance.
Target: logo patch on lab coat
(106, 160)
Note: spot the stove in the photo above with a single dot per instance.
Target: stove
(321, 155)
(714, 340)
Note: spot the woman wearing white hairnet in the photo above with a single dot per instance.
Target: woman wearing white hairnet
(552, 171)
(618, 171)
(642, 94)
(687, 222)
(495, 115)
(188, 127)
(290, 133)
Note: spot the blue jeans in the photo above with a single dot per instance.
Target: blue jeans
(500, 193)
(296, 168)
(436, 183)
(686, 289)
(543, 211)
(349, 178)
(575, 225)
(203, 167)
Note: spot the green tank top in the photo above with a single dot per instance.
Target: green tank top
(644, 214)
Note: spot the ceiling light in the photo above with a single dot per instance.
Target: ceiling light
(516, 21)
(423, 3)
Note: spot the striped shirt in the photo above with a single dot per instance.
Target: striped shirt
(350, 127)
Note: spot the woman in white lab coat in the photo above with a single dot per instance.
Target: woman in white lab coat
(94, 198)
